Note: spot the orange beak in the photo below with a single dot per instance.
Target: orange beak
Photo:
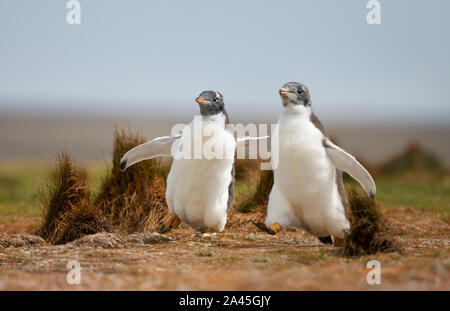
(284, 92)
(200, 100)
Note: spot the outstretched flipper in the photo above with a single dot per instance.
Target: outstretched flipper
(158, 147)
(247, 141)
(347, 163)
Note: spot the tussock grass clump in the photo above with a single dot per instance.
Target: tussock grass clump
(265, 183)
(133, 200)
(68, 212)
(368, 230)
(260, 197)
(245, 169)
(413, 159)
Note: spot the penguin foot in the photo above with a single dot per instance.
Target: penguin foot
(208, 234)
(169, 222)
(338, 242)
(273, 229)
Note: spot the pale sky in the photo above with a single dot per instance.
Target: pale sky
(152, 58)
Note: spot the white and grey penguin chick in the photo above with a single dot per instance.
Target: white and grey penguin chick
(199, 191)
(308, 190)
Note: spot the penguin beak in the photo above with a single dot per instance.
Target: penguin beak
(284, 92)
(200, 100)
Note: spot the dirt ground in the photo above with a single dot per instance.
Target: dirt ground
(241, 258)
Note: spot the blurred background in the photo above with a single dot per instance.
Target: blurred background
(141, 64)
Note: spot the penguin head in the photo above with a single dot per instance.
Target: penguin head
(295, 94)
(210, 102)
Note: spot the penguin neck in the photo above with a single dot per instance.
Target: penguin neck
(297, 111)
(220, 118)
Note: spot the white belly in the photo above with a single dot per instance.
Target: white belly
(307, 179)
(197, 189)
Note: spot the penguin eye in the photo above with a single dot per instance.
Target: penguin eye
(215, 100)
(300, 91)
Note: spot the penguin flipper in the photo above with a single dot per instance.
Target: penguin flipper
(158, 147)
(347, 163)
(243, 142)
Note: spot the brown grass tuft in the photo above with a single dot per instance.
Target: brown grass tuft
(133, 200)
(414, 158)
(368, 230)
(245, 169)
(68, 212)
(260, 198)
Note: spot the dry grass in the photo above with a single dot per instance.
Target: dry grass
(129, 201)
(238, 259)
(245, 169)
(68, 212)
(258, 201)
(368, 230)
(133, 200)
(115, 241)
(20, 240)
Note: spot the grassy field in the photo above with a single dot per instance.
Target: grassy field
(417, 207)
(21, 184)
(415, 191)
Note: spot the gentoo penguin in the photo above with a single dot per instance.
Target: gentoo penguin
(308, 190)
(200, 190)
